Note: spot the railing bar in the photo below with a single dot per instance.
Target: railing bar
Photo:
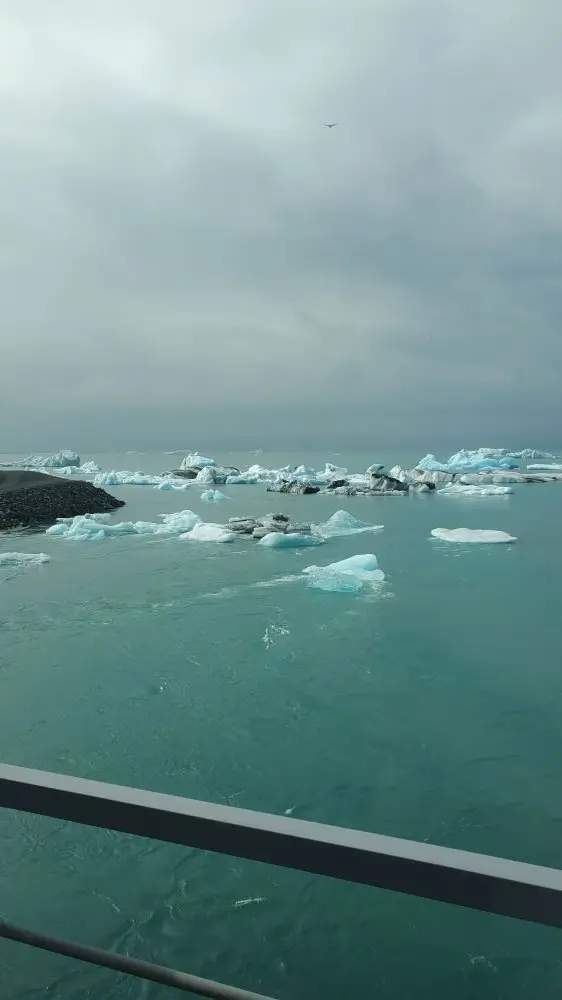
(495, 885)
(131, 966)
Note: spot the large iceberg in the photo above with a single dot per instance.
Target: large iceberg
(472, 535)
(347, 575)
(341, 523)
(466, 461)
(58, 461)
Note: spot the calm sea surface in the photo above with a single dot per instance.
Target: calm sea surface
(431, 710)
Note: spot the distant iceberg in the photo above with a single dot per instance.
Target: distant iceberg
(345, 576)
(472, 535)
(196, 461)
(465, 461)
(464, 490)
(544, 468)
(115, 478)
(58, 461)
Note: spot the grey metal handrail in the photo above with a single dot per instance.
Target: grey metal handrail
(496, 885)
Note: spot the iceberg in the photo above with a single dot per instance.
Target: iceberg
(345, 576)
(95, 527)
(544, 468)
(241, 480)
(292, 540)
(23, 559)
(472, 535)
(341, 523)
(172, 484)
(465, 461)
(196, 461)
(114, 478)
(209, 533)
(213, 496)
(464, 490)
(58, 461)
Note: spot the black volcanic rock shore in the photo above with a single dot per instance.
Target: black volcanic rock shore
(35, 500)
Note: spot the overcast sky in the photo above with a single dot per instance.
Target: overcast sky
(188, 256)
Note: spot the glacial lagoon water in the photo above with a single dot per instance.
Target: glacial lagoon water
(428, 708)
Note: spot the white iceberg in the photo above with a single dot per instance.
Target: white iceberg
(465, 461)
(209, 533)
(58, 461)
(347, 575)
(472, 535)
(196, 461)
(213, 496)
(172, 484)
(241, 480)
(342, 523)
(115, 478)
(23, 559)
(95, 527)
(291, 540)
(464, 490)
(544, 468)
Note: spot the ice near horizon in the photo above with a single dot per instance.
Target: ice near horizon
(346, 575)
(472, 535)
(465, 490)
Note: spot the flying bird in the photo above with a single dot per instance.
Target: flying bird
(333, 124)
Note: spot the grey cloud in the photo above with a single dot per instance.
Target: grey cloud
(185, 244)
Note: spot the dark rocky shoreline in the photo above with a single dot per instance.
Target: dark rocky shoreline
(36, 500)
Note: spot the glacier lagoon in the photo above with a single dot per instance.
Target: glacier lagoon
(425, 707)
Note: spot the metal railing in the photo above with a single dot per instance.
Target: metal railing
(495, 885)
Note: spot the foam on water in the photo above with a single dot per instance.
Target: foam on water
(23, 559)
(472, 535)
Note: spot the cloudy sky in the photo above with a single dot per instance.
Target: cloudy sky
(188, 256)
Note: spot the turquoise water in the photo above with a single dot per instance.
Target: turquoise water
(430, 710)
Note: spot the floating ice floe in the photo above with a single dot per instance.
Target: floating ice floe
(115, 478)
(347, 575)
(172, 484)
(342, 523)
(209, 533)
(472, 535)
(462, 490)
(291, 540)
(213, 496)
(544, 468)
(96, 527)
(23, 559)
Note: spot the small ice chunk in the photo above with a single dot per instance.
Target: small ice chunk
(209, 533)
(23, 558)
(472, 535)
(241, 480)
(172, 483)
(213, 496)
(342, 523)
(294, 540)
(347, 575)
